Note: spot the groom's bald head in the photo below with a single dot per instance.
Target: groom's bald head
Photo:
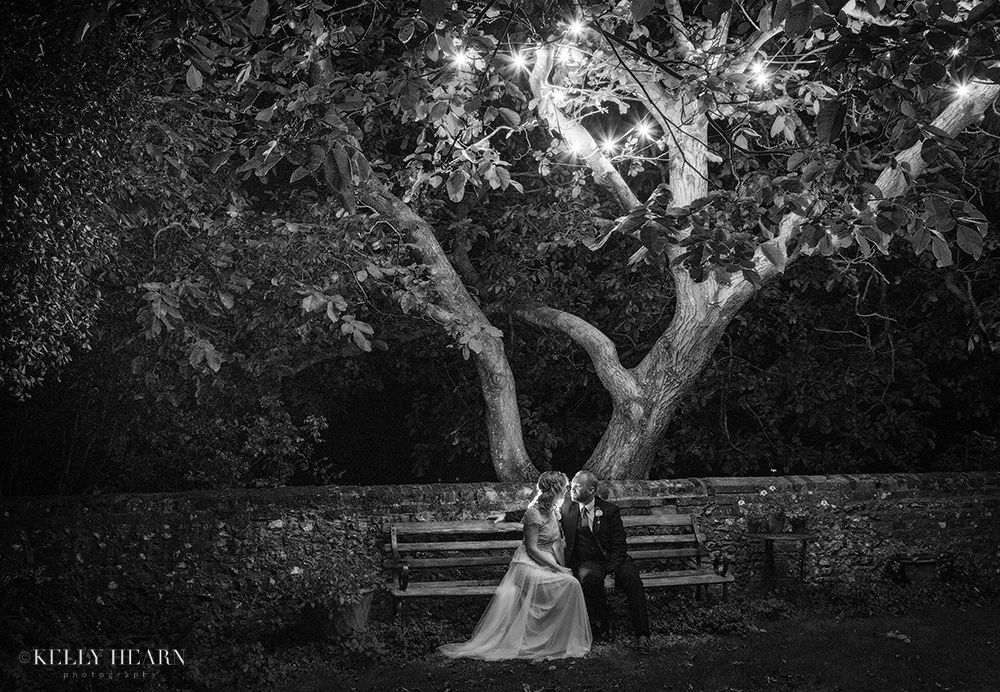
(584, 486)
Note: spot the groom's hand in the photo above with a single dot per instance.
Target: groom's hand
(498, 517)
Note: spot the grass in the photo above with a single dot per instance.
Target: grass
(888, 637)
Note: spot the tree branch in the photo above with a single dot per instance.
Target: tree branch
(717, 40)
(605, 175)
(677, 26)
(895, 179)
(602, 351)
(743, 61)
(961, 113)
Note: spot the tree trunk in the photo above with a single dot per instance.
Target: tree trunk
(456, 311)
(665, 376)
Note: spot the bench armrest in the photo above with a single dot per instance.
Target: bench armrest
(403, 575)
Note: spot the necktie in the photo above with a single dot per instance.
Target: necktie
(585, 516)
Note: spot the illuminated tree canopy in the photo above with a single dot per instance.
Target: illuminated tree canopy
(723, 140)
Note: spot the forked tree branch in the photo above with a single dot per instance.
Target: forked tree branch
(602, 351)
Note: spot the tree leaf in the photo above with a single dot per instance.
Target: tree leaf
(980, 11)
(219, 160)
(640, 8)
(799, 19)
(298, 174)
(941, 250)
(511, 116)
(406, 31)
(456, 185)
(361, 341)
(257, 17)
(433, 10)
(775, 254)
(930, 150)
(830, 120)
(796, 160)
(932, 73)
(194, 79)
(343, 161)
(970, 241)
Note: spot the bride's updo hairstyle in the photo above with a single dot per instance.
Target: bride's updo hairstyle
(549, 485)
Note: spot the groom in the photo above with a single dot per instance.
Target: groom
(595, 547)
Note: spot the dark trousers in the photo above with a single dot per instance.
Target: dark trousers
(591, 575)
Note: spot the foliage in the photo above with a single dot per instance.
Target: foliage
(217, 587)
(259, 267)
(65, 159)
(771, 500)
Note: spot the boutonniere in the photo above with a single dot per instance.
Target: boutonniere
(598, 514)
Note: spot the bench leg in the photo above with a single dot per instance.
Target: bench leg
(697, 592)
(725, 591)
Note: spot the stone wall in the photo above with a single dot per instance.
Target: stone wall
(859, 521)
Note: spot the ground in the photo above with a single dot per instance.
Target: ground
(940, 646)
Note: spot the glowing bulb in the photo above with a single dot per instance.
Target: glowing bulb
(519, 61)
(558, 96)
(576, 27)
(761, 77)
(955, 52)
(643, 129)
(574, 148)
(608, 146)
(461, 59)
(962, 91)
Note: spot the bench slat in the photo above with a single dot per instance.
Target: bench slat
(482, 560)
(662, 538)
(418, 589)
(689, 580)
(655, 539)
(676, 574)
(487, 526)
(480, 587)
(666, 553)
(455, 545)
(469, 561)
(656, 520)
(445, 527)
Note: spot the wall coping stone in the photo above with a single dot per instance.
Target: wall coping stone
(489, 496)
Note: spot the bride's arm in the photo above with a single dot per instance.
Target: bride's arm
(542, 557)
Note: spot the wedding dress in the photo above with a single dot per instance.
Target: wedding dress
(536, 612)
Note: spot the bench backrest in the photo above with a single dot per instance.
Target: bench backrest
(655, 534)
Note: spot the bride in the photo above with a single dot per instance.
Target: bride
(538, 610)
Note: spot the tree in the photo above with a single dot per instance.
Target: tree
(63, 158)
(775, 131)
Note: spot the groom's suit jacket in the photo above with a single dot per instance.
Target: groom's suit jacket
(608, 530)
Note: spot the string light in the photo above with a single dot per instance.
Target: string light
(576, 27)
(519, 60)
(761, 77)
(955, 52)
(461, 59)
(963, 90)
(609, 146)
(643, 129)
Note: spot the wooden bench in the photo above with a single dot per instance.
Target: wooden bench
(468, 558)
